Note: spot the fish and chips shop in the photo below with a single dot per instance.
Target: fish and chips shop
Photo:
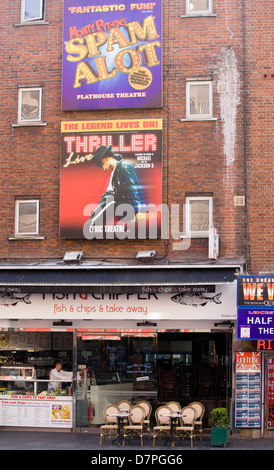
(159, 343)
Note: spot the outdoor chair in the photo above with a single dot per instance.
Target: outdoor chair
(174, 406)
(200, 409)
(136, 423)
(124, 405)
(186, 426)
(162, 423)
(148, 408)
(111, 423)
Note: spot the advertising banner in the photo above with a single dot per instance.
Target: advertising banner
(199, 305)
(270, 377)
(111, 179)
(255, 324)
(112, 55)
(255, 300)
(256, 291)
(248, 392)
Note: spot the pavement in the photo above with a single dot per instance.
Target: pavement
(22, 440)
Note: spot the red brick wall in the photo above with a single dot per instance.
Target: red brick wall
(260, 132)
(198, 157)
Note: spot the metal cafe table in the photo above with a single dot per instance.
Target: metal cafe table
(120, 421)
(173, 417)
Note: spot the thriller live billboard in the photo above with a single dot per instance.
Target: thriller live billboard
(112, 55)
(123, 201)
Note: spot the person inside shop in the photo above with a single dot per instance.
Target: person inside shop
(57, 374)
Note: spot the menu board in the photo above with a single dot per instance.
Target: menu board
(248, 391)
(36, 411)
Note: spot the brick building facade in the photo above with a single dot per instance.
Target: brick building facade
(199, 157)
(216, 153)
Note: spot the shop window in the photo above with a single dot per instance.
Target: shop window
(27, 217)
(29, 105)
(199, 216)
(32, 10)
(199, 100)
(198, 7)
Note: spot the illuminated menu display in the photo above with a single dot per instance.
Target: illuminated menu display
(248, 394)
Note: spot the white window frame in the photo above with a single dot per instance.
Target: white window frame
(198, 233)
(38, 18)
(20, 93)
(198, 117)
(191, 12)
(17, 207)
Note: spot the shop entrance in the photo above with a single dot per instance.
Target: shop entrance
(159, 366)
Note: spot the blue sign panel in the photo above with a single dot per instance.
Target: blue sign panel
(255, 323)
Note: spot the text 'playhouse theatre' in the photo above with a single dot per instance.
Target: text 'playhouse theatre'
(111, 179)
(112, 55)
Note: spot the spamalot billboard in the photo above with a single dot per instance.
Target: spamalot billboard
(112, 55)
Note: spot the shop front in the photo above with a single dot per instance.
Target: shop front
(117, 346)
(159, 365)
(156, 365)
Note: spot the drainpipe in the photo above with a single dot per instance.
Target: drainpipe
(245, 128)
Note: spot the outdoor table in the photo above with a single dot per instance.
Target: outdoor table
(173, 416)
(120, 419)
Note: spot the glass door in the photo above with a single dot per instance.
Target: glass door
(113, 365)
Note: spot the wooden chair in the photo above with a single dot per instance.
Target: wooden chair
(200, 409)
(162, 423)
(187, 422)
(111, 423)
(148, 408)
(136, 423)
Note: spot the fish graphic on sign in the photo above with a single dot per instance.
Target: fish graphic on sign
(196, 300)
(8, 299)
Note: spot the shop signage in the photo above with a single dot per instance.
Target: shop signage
(254, 323)
(123, 202)
(255, 313)
(255, 291)
(112, 55)
(35, 411)
(248, 394)
(270, 373)
(213, 243)
(178, 306)
(265, 345)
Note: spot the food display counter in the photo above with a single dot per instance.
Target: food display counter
(26, 400)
